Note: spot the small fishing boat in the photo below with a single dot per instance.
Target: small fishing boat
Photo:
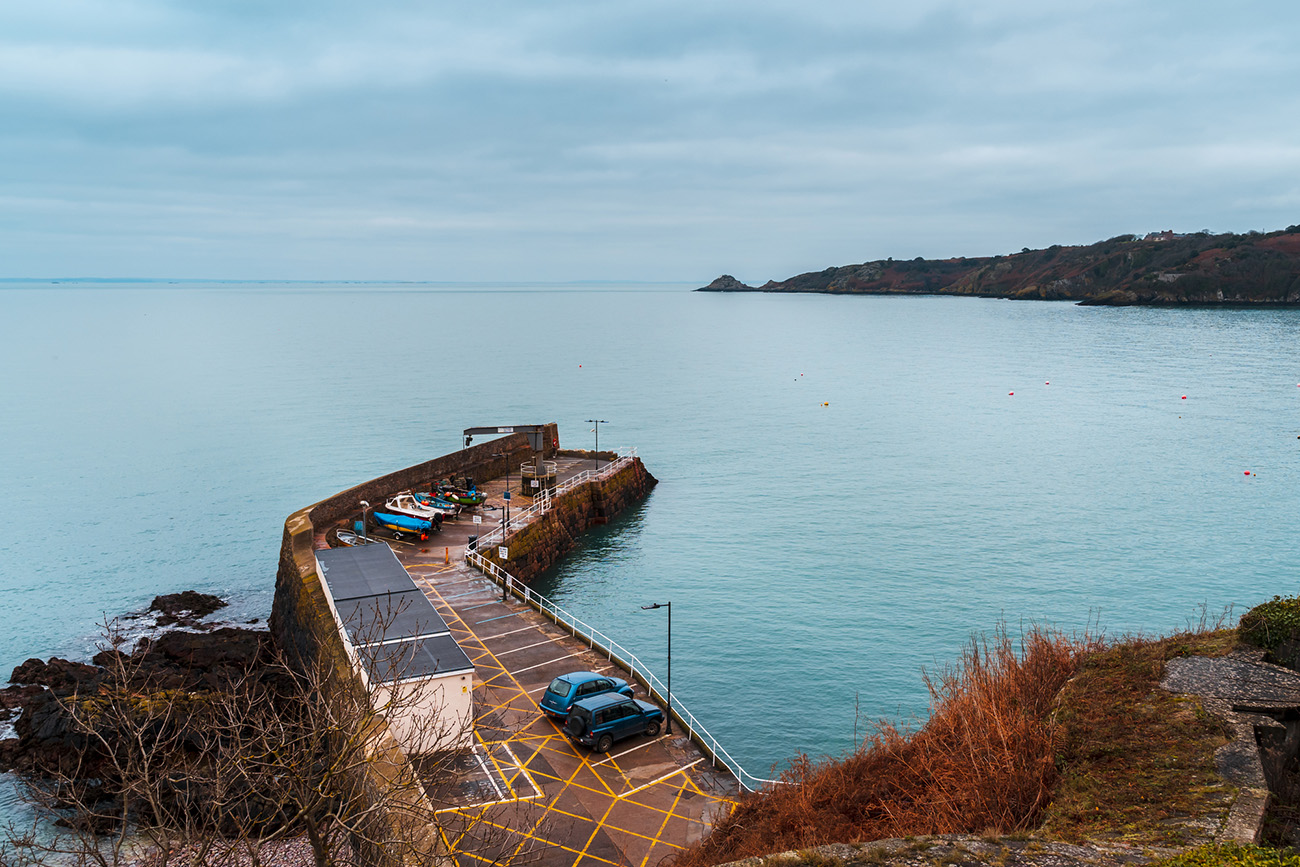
(468, 499)
(405, 525)
(410, 504)
(349, 539)
(434, 501)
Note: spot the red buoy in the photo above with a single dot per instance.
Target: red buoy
(1247, 472)
(1184, 397)
(1010, 393)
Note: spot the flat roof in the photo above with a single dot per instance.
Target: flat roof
(390, 617)
(416, 658)
(364, 570)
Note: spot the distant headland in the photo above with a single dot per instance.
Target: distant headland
(1158, 269)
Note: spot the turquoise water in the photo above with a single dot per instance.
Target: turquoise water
(155, 438)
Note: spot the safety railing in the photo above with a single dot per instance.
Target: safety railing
(600, 642)
(545, 499)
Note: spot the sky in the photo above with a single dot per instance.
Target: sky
(626, 140)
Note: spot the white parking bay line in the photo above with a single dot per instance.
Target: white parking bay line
(625, 752)
(681, 770)
(528, 646)
(504, 634)
(540, 664)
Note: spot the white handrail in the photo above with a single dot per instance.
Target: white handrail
(598, 640)
(544, 500)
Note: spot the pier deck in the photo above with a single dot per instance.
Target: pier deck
(528, 793)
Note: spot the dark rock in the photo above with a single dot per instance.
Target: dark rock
(185, 608)
(60, 675)
(726, 283)
(13, 699)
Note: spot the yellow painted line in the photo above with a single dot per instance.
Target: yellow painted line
(600, 823)
(582, 761)
(672, 811)
(661, 779)
(543, 840)
(628, 831)
(625, 752)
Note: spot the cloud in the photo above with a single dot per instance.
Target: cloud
(416, 140)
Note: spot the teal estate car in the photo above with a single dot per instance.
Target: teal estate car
(568, 688)
(598, 722)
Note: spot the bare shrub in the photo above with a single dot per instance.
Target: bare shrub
(292, 749)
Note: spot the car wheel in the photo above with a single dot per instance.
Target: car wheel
(652, 728)
(603, 745)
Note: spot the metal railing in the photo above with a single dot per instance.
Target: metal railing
(545, 499)
(602, 643)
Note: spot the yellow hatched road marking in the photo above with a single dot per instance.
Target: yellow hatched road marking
(672, 811)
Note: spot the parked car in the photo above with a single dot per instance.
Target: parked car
(568, 688)
(600, 721)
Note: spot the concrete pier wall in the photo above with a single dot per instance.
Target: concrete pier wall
(540, 545)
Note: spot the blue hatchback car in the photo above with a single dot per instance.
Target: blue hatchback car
(568, 688)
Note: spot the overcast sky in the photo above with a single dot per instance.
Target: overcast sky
(557, 140)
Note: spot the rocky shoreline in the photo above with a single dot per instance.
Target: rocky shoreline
(193, 654)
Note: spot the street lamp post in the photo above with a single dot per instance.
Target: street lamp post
(597, 422)
(668, 715)
(365, 508)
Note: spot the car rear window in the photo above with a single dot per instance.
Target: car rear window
(558, 687)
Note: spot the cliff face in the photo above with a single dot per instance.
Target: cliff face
(1168, 270)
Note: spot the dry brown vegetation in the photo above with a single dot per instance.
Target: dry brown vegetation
(1067, 734)
(984, 760)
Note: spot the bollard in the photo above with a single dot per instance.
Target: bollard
(446, 555)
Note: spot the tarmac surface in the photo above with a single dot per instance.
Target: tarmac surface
(525, 794)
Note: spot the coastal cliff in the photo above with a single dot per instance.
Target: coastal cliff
(1161, 269)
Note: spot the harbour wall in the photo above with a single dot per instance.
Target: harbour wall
(540, 545)
(301, 621)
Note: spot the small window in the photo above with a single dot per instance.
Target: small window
(559, 687)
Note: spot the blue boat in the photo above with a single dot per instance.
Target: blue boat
(402, 525)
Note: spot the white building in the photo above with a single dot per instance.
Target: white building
(401, 648)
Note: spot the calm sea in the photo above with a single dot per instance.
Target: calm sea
(849, 488)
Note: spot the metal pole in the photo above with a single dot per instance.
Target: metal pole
(668, 724)
(668, 711)
(597, 422)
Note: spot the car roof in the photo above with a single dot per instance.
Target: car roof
(605, 699)
(580, 676)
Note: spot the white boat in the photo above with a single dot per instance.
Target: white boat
(405, 503)
(349, 539)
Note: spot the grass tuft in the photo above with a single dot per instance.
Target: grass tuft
(1231, 855)
(1135, 760)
